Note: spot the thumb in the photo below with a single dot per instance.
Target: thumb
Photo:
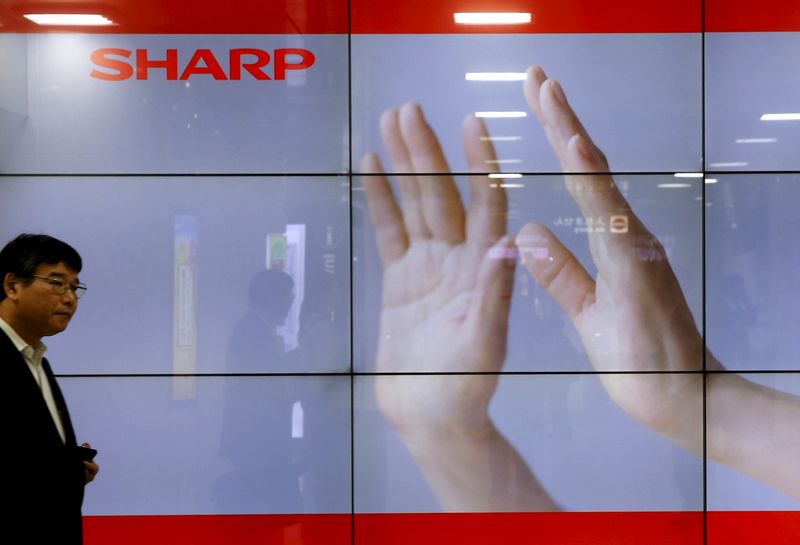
(556, 269)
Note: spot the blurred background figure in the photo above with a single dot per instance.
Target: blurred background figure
(255, 345)
(257, 430)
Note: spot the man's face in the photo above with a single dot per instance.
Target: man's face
(40, 308)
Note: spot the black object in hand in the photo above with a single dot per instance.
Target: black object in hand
(87, 454)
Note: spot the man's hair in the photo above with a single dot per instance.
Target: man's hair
(25, 253)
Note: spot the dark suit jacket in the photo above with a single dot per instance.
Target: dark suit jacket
(43, 478)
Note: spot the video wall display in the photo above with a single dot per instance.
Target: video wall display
(220, 275)
(360, 273)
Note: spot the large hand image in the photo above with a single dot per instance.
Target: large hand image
(447, 291)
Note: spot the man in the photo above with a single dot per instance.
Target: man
(45, 471)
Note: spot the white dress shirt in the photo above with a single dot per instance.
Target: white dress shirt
(33, 357)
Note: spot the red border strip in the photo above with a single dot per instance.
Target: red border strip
(218, 530)
(187, 17)
(643, 528)
(637, 528)
(753, 527)
(752, 15)
(548, 16)
(411, 16)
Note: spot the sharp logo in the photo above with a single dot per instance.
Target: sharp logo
(113, 64)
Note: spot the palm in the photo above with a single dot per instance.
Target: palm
(655, 335)
(429, 325)
(636, 318)
(429, 299)
(445, 294)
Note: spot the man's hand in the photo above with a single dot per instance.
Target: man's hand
(90, 468)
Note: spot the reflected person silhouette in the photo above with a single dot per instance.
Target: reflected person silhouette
(256, 434)
(255, 345)
(446, 295)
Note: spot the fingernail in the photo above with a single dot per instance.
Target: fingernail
(415, 108)
(537, 75)
(558, 93)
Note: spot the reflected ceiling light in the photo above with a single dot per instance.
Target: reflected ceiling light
(756, 140)
(505, 175)
(781, 117)
(501, 114)
(495, 76)
(69, 19)
(673, 186)
(503, 161)
(711, 180)
(496, 18)
(688, 174)
(500, 138)
(729, 165)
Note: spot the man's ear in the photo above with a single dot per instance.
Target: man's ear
(10, 285)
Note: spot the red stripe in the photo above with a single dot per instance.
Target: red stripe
(190, 16)
(548, 16)
(639, 528)
(218, 530)
(752, 15)
(754, 528)
(412, 16)
(531, 528)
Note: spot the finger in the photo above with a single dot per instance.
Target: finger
(478, 148)
(558, 117)
(554, 268)
(534, 79)
(560, 123)
(618, 236)
(409, 187)
(494, 288)
(90, 471)
(486, 221)
(622, 247)
(575, 150)
(394, 142)
(595, 194)
(423, 146)
(386, 216)
(624, 251)
(441, 203)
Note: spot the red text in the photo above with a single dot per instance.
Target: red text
(112, 64)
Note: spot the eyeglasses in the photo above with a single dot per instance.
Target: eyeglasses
(60, 287)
